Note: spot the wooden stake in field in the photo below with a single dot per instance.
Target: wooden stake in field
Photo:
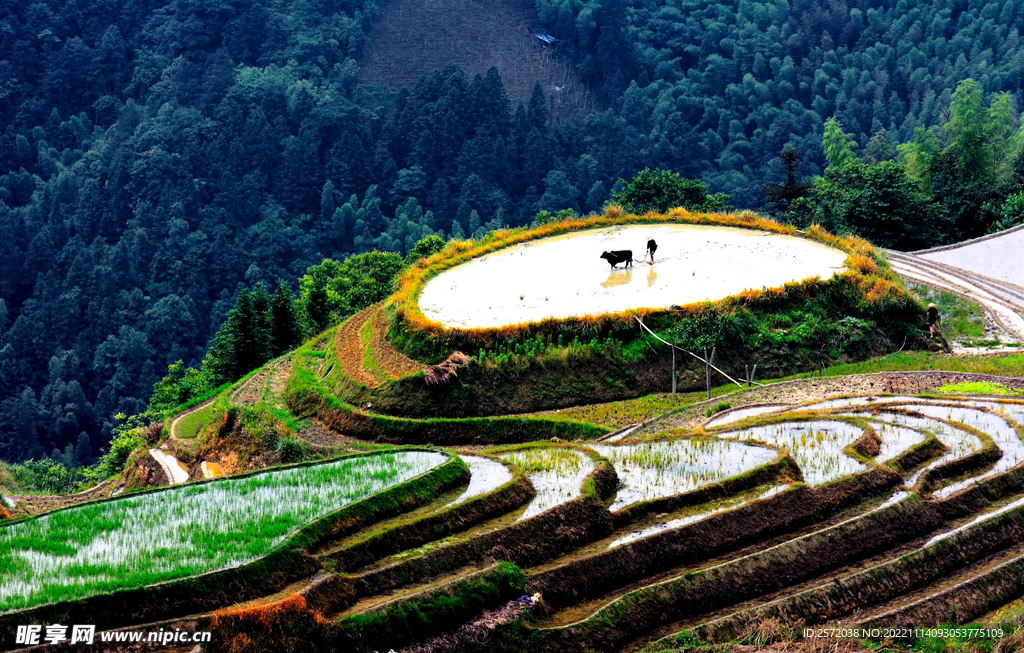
(708, 362)
(675, 339)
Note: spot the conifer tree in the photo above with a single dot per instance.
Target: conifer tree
(286, 331)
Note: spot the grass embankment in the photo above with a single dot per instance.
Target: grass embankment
(192, 423)
(618, 414)
(979, 388)
(292, 625)
(907, 361)
(419, 617)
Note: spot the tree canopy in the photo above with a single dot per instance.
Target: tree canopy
(158, 157)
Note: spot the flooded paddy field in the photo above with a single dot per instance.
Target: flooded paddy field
(564, 276)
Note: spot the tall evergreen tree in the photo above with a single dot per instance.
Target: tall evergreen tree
(838, 144)
(286, 332)
(779, 197)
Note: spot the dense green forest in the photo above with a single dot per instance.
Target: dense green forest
(159, 156)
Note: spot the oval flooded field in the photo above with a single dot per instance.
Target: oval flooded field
(565, 276)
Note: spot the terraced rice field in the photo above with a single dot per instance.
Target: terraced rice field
(769, 512)
(365, 352)
(516, 284)
(652, 470)
(556, 474)
(137, 541)
(995, 284)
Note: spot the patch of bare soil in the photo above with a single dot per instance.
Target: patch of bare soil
(315, 433)
(395, 363)
(350, 348)
(251, 390)
(411, 38)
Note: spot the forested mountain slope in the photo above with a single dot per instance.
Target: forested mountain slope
(156, 155)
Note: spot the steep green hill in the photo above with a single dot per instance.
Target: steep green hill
(157, 155)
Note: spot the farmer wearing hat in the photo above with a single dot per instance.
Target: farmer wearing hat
(933, 319)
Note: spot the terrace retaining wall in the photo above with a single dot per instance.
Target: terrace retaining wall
(967, 601)
(880, 583)
(529, 542)
(345, 419)
(757, 521)
(980, 495)
(641, 611)
(402, 537)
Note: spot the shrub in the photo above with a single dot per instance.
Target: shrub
(717, 408)
(292, 450)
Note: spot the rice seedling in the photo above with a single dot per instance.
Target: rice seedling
(817, 447)
(895, 439)
(485, 475)
(959, 442)
(652, 470)
(557, 475)
(717, 408)
(996, 426)
(137, 541)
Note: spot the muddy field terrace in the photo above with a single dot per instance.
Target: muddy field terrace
(518, 477)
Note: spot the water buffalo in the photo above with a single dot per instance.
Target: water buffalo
(618, 256)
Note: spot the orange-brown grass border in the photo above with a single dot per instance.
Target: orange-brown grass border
(282, 625)
(866, 267)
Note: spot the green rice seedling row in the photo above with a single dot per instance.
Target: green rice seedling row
(653, 470)
(137, 541)
(817, 447)
(556, 473)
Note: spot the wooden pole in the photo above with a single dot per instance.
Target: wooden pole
(709, 361)
(675, 337)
